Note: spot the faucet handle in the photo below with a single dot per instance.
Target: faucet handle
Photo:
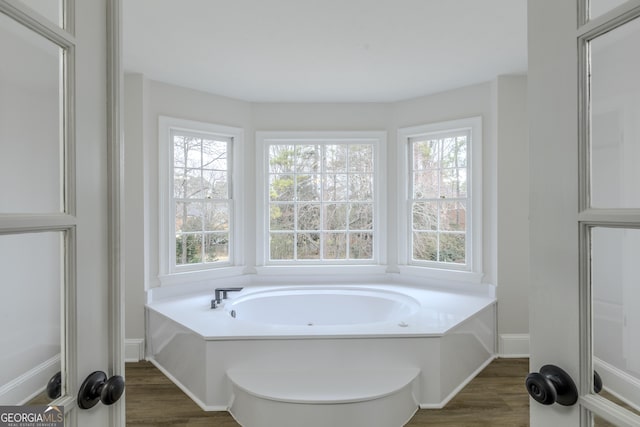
(221, 294)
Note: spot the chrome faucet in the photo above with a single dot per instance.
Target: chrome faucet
(221, 294)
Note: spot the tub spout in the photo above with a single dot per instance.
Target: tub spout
(221, 294)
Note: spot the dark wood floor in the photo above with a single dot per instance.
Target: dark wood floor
(495, 398)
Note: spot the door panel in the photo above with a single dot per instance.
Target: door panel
(31, 86)
(614, 89)
(30, 314)
(584, 204)
(63, 151)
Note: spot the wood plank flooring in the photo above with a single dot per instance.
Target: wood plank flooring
(495, 398)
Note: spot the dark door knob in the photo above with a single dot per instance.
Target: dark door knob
(97, 388)
(54, 386)
(552, 385)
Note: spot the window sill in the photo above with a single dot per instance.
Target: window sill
(323, 272)
(441, 274)
(199, 275)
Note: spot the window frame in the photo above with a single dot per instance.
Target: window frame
(264, 139)
(170, 272)
(472, 269)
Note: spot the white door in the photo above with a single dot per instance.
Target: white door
(59, 222)
(584, 109)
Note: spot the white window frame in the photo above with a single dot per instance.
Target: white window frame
(378, 263)
(472, 270)
(170, 273)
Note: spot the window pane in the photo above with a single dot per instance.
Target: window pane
(281, 187)
(453, 183)
(308, 158)
(188, 184)
(615, 316)
(281, 246)
(323, 174)
(361, 187)
(50, 9)
(216, 183)
(360, 245)
(281, 158)
(309, 217)
(214, 154)
(361, 158)
(425, 154)
(30, 121)
(192, 148)
(452, 248)
(440, 196)
(216, 216)
(188, 217)
(335, 246)
(179, 152)
(188, 248)
(308, 187)
(335, 216)
(453, 216)
(32, 272)
(335, 158)
(600, 7)
(282, 216)
(425, 185)
(453, 151)
(615, 114)
(216, 246)
(308, 246)
(425, 216)
(201, 196)
(425, 246)
(361, 216)
(335, 187)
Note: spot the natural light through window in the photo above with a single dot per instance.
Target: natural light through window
(440, 218)
(199, 183)
(439, 197)
(201, 197)
(321, 201)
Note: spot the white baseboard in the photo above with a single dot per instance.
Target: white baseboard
(513, 345)
(134, 350)
(457, 389)
(22, 389)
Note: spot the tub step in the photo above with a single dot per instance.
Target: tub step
(368, 398)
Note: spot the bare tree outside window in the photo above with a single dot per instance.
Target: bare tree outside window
(321, 198)
(439, 197)
(201, 197)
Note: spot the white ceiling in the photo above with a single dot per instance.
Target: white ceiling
(324, 50)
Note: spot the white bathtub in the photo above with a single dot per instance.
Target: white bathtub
(322, 306)
(447, 337)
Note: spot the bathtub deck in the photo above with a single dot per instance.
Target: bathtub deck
(441, 311)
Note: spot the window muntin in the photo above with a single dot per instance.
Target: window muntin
(439, 197)
(321, 201)
(201, 198)
(200, 178)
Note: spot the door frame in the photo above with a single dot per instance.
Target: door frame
(115, 180)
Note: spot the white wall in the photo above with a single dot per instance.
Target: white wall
(135, 230)
(511, 129)
(477, 100)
